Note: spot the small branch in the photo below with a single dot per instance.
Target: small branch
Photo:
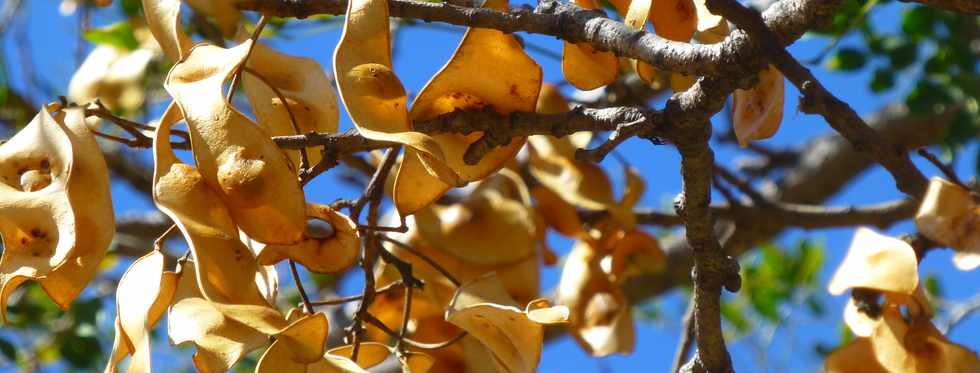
(237, 75)
(946, 169)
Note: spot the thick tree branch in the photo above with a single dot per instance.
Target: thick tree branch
(802, 216)
(817, 99)
(712, 269)
(789, 19)
(826, 165)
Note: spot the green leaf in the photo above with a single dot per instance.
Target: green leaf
(119, 35)
(882, 80)
(131, 8)
(933, 286)
(80, 352)
(8, 349)
(901, 52)
(918, 21)
(734, 315)
(847, 59)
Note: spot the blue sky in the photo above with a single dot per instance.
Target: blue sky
(422, 51)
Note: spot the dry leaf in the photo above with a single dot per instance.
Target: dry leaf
(309, 96)
(585, 67)
(234, 156)
(488, 70)
(56, 215)
(949, 215)
(144, 293)
(757, 112)
(485, 310)
(222, 331)
(877, 262)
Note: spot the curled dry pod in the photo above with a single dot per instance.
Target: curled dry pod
(583, 184)
(322, 252)
(711, 29)
(308, 94)
(113, 76)
(372, 354)
(370, 90)
(144, 293)
(758, 111)
(462, 229)
(163, 20)
(300, 348)
(228, 268)
(924, 350)
(224, 13)
(600, 314)
(636, 17)
(223, 332)
(56, 216)
(877, 262)
(513, 335)
(585, 67)
(234, 155)
(949, 215)
(488, 70)
(855, 357)
(674, 19)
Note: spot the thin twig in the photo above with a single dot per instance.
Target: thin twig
(946, 169)
(237, 75)
(304, 156)
(333, 302)
(370, 319)
(686, 342)
(439, 268)
(299, 287)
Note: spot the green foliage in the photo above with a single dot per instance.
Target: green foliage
(119, 35)
(773, 278)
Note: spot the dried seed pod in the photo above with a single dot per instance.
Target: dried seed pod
(235, 156)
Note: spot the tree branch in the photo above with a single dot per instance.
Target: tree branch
(962, 6)
(826, 165)
(817, 99)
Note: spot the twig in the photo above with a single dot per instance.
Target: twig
(237, 75)
(307, 305)
(333, 302)
(686, 342)
(304, 156)
(370, 319)
(438, 267)
(946, 169)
